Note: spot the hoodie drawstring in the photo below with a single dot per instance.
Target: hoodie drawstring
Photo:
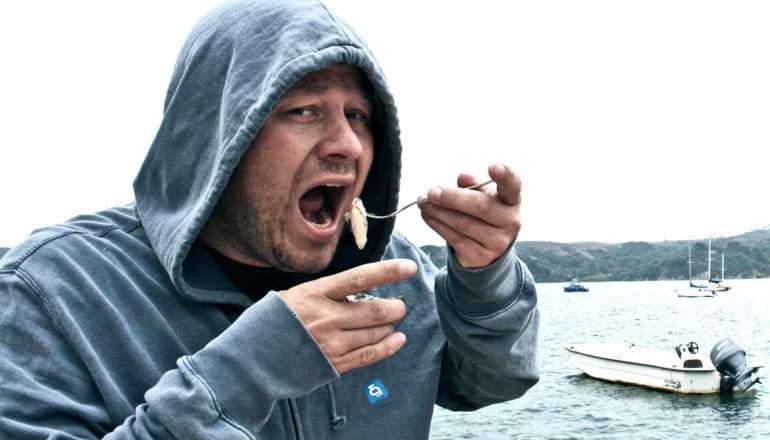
(338, 421)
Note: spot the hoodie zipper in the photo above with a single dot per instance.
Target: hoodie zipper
(294, 419)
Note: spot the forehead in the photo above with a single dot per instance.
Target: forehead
(346, 76)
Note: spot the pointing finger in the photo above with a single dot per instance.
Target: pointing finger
(360, 278)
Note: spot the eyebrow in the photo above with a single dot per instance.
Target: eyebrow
(319, 81)
(315, 84)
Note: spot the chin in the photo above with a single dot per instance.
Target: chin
(307, 261)
(310, 265)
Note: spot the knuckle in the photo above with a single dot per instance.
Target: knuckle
(377, 333)
(357, 279)
(462, 223)
(368, 355)
(378, 310)
(372, 335)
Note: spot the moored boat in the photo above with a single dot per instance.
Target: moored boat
(696, 291)
(712, 286)
(575, 286)
(717, 284)
(681, 370)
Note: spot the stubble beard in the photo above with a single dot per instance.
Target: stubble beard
(257, 229)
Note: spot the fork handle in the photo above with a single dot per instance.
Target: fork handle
(392, 214)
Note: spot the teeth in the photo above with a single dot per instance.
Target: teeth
(334, 185)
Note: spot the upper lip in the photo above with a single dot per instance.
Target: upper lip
(345, 181)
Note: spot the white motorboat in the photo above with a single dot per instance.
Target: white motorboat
(681, 370)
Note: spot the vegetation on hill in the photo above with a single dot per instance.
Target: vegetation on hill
(745, 256)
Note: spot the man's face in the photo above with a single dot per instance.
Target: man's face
(284, 205)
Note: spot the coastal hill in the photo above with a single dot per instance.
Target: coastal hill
(746, 256)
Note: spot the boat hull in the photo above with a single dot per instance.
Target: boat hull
(718, 287)
(634, 365)
(692, 293)
(575, 286)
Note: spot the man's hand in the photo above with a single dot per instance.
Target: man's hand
(352, 334)
(478, 224)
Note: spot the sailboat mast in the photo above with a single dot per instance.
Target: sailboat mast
(723, 266)
(709, 261)
(689, 258)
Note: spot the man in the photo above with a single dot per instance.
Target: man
(214, 307)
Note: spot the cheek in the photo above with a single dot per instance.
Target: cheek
(367, 157)
(267, 156)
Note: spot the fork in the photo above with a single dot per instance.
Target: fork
(394, 213)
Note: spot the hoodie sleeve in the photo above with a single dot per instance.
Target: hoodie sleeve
(490, 319)
(231, 386)
(45, 388)
(227, 389)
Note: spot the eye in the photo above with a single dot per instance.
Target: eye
(301, 111)
(355, 115)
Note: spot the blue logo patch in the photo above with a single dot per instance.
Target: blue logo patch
(375, 391)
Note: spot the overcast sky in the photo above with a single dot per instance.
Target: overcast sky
(628, 120)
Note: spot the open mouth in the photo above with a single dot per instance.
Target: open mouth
(320, 205)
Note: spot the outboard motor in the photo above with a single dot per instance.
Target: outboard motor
(730, 360)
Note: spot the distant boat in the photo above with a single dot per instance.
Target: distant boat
(706, 289)
(681, 370)
(696, 291)
(575, 286)
(717, 285)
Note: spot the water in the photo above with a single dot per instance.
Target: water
(566, 404)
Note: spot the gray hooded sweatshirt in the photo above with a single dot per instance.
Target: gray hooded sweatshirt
(116, 324)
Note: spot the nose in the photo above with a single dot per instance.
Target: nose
(341, 142)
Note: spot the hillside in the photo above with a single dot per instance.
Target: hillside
(746, 256)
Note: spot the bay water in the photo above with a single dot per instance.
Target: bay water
(566, 404)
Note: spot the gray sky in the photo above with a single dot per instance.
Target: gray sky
(627, 120)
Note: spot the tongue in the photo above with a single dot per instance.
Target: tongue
(311, 203)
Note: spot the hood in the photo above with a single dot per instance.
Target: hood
(235, 65)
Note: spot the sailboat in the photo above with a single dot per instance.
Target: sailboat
(714, 284)
(717, 285)
(696, 290)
